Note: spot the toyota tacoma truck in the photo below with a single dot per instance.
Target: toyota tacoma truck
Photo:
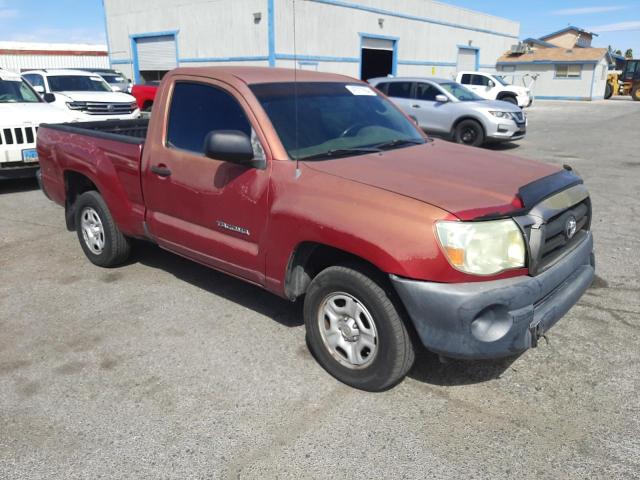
(316, 187)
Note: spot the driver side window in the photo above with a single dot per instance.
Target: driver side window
(480, 80)
(197, 109)
(427, 92)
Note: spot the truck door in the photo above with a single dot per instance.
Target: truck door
(210, 210)
(481, 85)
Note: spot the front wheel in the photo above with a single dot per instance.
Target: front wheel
(510, 99)
(635, 94)
(101, 240)
(355, 331)
(469, 132)
(608, 91)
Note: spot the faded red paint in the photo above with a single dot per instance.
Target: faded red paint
(380, 207)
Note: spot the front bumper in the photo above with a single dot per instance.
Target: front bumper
(497, 318)
(12, 164)
(500, 129)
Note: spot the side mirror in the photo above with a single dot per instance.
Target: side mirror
(49, 97)
(39, 89)
(441, 98)
(491, 84)
(230, 146)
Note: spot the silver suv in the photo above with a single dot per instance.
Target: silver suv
(444, 107)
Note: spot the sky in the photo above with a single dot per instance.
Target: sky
(82, 21)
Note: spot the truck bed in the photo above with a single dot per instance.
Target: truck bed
(106, 153)
(128, 131)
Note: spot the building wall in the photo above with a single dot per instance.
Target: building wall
(18, 63)
(223, 32)
(547, 86)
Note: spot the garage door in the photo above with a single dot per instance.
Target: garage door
(156, 53)
(467, 59)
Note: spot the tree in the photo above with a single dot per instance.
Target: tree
(628, 53)
(618, 52)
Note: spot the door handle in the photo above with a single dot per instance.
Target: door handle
(161, 171)
(415, 106)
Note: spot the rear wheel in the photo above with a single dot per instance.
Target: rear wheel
(355, 331)
(101, 240)
(510, 99)
(469, 132)
(635, 93)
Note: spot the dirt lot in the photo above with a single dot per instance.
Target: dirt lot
(164, 369)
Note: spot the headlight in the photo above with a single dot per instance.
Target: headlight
(77, 105)
(482, 248)
(501, 114)
(133, 105)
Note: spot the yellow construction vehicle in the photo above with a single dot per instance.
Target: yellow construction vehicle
(626, 82)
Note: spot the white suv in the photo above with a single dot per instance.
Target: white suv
(84, 93)
(494, 87)
(21, 112)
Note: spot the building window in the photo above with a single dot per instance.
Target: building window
(568, 71)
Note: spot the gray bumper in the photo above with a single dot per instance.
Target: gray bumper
(497, 318)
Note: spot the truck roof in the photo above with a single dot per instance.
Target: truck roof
(254, 75)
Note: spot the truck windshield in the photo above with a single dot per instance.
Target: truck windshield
(502, 80)
(17, 91)
(328, 119)
(77, 83)
(461, 93)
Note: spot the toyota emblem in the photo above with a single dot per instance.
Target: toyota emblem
(111, 108)
(570, 227)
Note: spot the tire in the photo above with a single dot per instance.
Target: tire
(635, 93)
(381, 351)
(101, 240)
(510, 99)
(147, 107)
(608, 91)
(469, 132)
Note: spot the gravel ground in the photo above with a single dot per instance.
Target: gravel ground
(164, 369)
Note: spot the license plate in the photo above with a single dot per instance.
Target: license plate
(30, 155)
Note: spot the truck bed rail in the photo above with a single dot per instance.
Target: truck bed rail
(128, 131)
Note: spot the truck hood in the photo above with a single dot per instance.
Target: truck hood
(516, 89)
(465, 181)
(108, 97)
(19, 114)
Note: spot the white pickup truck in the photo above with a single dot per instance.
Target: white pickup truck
(21, 112)
(494, 87)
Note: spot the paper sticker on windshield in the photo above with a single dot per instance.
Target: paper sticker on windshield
(360, 90)
(96, 79)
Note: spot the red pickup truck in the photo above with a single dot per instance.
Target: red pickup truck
(145, 95)
(314, 186)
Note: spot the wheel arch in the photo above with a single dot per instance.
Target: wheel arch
(309, 258)
(468, 117)
(75, 184)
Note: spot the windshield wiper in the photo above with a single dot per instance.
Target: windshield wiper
(399, 142)
(342, 152)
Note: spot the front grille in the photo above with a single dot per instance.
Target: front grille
(104, 108)
(18, 135)
(519, 117)
(547, 228)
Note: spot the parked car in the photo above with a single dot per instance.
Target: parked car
(21, 112)
(116, 80)
(84, 93)
(445, 107)
(145, 95)
(494, 87)
(322, 190)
